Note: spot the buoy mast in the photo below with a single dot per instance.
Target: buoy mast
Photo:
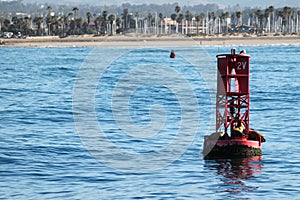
(233, 92)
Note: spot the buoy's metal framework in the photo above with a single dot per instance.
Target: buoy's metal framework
(233, 136)
(233, 95)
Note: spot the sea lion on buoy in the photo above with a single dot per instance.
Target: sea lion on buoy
(255, 135)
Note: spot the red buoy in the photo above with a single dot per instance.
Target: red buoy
(233, 136)
(172, 55)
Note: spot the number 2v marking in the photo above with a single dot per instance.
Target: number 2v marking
(241, 65)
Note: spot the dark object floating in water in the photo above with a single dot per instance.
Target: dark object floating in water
(172, 54)
(233, 111)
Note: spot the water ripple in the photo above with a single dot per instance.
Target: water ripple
(42, 156)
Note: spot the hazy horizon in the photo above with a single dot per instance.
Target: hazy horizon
(221, 3)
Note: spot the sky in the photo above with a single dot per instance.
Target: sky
(221, 3)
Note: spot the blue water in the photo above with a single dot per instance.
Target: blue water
(44, 153)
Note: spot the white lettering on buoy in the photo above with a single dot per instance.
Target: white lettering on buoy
(241, 65)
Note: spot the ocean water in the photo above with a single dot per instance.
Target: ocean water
(128, 123)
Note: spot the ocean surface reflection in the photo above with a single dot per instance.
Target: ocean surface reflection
(233, 174)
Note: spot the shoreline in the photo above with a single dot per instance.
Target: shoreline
(148, 41)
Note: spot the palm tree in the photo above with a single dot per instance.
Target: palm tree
(251, 18)
(52, 22)
(6, 23)
(198, 19)
(272, 25)
(75, 10)
(174, 18)
(15, 24)
(203, 22)
(212, 18)
(259, 18)
(111, 19)
(238, 16)
(287, 13)
(26, 25)
(161, 17)
(98, 23)
(267, 17)
(150, 21)
(119, 22)
(55, 25)
(72, 27)
(137, 18)
(14, 19)
(177, 9)
(293, 21)
(62, 22)
(79, 23)
(88, 16)
(280, 18)
(125, 16)
(1, 23)
(67, 20)
(20, 25)
(38, 21)
(180, 20)
(297, 21)
(104, 21)
(189, 18)
(224, 16)
(49, 21)
(49, 8)
(85, 27)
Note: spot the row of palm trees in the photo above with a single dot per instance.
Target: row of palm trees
(270, 20)
(284, 20)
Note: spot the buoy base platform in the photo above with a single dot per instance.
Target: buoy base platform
(233, 147)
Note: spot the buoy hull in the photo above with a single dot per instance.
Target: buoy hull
(231, 148)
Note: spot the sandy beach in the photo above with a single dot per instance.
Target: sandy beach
(139, 40)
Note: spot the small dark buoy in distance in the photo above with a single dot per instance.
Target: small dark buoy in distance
(172, 55)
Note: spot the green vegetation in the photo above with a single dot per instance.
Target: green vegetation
(42, 20)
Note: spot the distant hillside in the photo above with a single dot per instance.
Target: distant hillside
(11, 8)
(221, 3)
